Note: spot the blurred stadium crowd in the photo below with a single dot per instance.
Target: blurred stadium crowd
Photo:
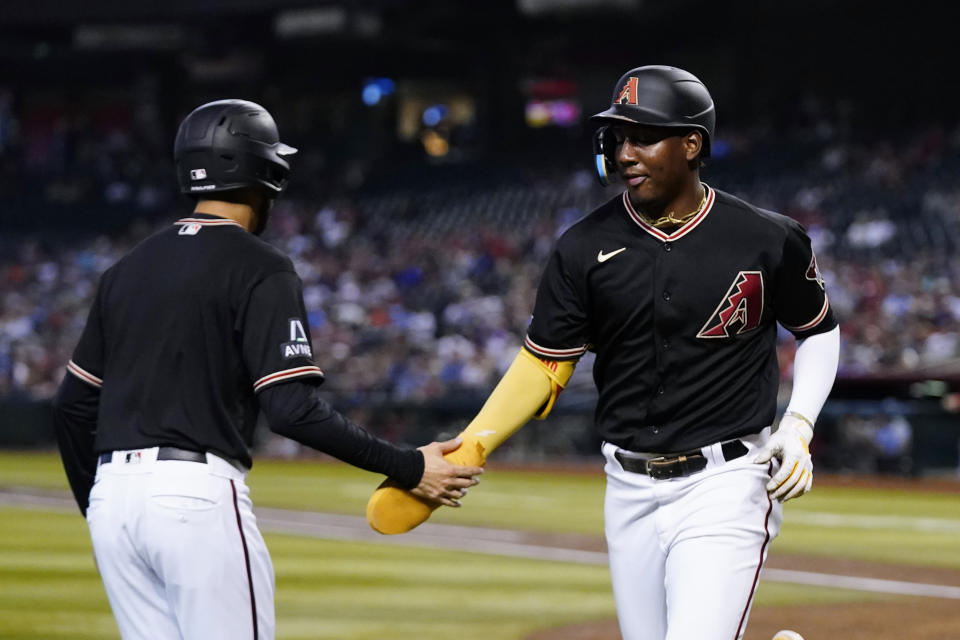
(419, 285)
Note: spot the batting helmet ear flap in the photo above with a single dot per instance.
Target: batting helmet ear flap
(604, 148)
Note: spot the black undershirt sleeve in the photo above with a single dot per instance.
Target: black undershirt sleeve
(75, 409)
(294, 410)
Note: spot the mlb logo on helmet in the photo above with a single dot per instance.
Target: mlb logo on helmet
(198, 174)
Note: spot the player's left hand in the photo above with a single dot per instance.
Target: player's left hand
(791, 445)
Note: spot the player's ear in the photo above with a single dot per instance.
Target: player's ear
(692, 145)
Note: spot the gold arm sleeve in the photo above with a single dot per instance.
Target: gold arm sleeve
(528, 389)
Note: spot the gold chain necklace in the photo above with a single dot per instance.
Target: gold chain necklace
(669, 220)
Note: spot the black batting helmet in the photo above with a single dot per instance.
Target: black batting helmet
(657, 96)
(230, 144)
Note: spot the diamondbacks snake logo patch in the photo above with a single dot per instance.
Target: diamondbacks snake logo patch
(813, 271)
(740, 310)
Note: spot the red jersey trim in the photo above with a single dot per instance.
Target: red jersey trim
(84, 375)
(208, 222)
(286, 374)
(679, 233)
(815, 321)
(553, 353)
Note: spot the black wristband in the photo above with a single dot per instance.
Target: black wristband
(410, 471)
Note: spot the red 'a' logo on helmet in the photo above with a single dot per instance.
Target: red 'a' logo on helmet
(628, 94)
(741, 307)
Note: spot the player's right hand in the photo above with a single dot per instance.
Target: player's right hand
(442, 481)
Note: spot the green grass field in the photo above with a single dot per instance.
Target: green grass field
(345, 590)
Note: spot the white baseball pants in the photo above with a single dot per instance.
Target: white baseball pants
(686, 553)
(179, 551)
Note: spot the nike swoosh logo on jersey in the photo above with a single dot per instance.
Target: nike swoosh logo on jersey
(603, 257)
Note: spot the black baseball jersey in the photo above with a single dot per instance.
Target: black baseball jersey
(185, 330)
(683, 323)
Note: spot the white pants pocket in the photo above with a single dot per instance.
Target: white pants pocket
(190, 494)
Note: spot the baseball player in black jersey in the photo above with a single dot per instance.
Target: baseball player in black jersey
(678, 288)
(191, 333)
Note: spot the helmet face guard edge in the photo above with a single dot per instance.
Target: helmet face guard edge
(604, 148)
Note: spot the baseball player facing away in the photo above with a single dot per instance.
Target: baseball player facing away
(190, 333)
(678, 288)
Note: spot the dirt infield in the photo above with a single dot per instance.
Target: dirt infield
(902, 618)
(913, 619)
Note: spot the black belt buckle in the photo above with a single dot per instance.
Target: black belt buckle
(664, 468)
(657, 468)
(678, 465)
